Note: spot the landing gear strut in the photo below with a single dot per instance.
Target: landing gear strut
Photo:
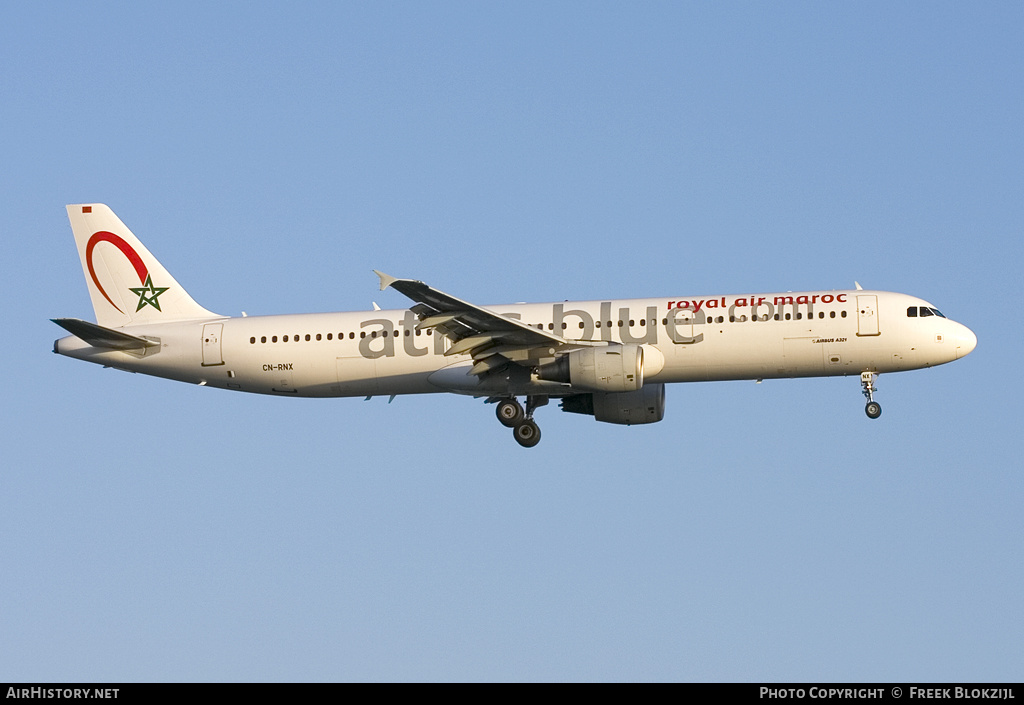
(867, 382)
(524, 429)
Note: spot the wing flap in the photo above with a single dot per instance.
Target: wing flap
(485, 365)
(473, 342)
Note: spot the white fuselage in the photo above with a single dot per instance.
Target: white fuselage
(689, 339)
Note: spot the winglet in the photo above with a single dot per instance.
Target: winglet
(385, 280)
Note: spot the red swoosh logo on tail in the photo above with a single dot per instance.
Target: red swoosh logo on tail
(126, 249)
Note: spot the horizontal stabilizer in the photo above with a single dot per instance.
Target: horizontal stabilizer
(100, 337)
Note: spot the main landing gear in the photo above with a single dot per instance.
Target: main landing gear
(867, 382)
(524, 429)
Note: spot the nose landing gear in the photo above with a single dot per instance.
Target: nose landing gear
(524, 429)
(867, 382)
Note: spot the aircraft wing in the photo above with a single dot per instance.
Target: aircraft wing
(491, 338)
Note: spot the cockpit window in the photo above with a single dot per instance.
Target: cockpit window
(912, 312)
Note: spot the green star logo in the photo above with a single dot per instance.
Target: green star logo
(148, 294)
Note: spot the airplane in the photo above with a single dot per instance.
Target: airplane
(607, 359)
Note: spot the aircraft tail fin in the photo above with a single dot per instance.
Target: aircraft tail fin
(127, 284)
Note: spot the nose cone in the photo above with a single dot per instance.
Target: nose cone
(966, 340)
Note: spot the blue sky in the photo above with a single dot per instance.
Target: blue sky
(272, 155)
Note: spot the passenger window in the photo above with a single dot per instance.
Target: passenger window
(330, 336)
(831, 314)
(252, 340)
(307, 336)
(273, 339)
(263, 338)
(842, 314)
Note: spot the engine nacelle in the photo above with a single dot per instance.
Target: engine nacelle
(646, 405)
(612, 368)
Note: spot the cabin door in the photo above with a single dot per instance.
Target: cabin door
(211, 344)
(867, 315)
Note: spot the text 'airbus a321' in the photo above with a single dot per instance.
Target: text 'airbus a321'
(608, 359)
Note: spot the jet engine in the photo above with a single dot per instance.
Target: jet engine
(646, 405)
(615, 368)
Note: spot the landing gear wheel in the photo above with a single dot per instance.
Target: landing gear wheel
(527, 434)
(509, 413)
(873, 409)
